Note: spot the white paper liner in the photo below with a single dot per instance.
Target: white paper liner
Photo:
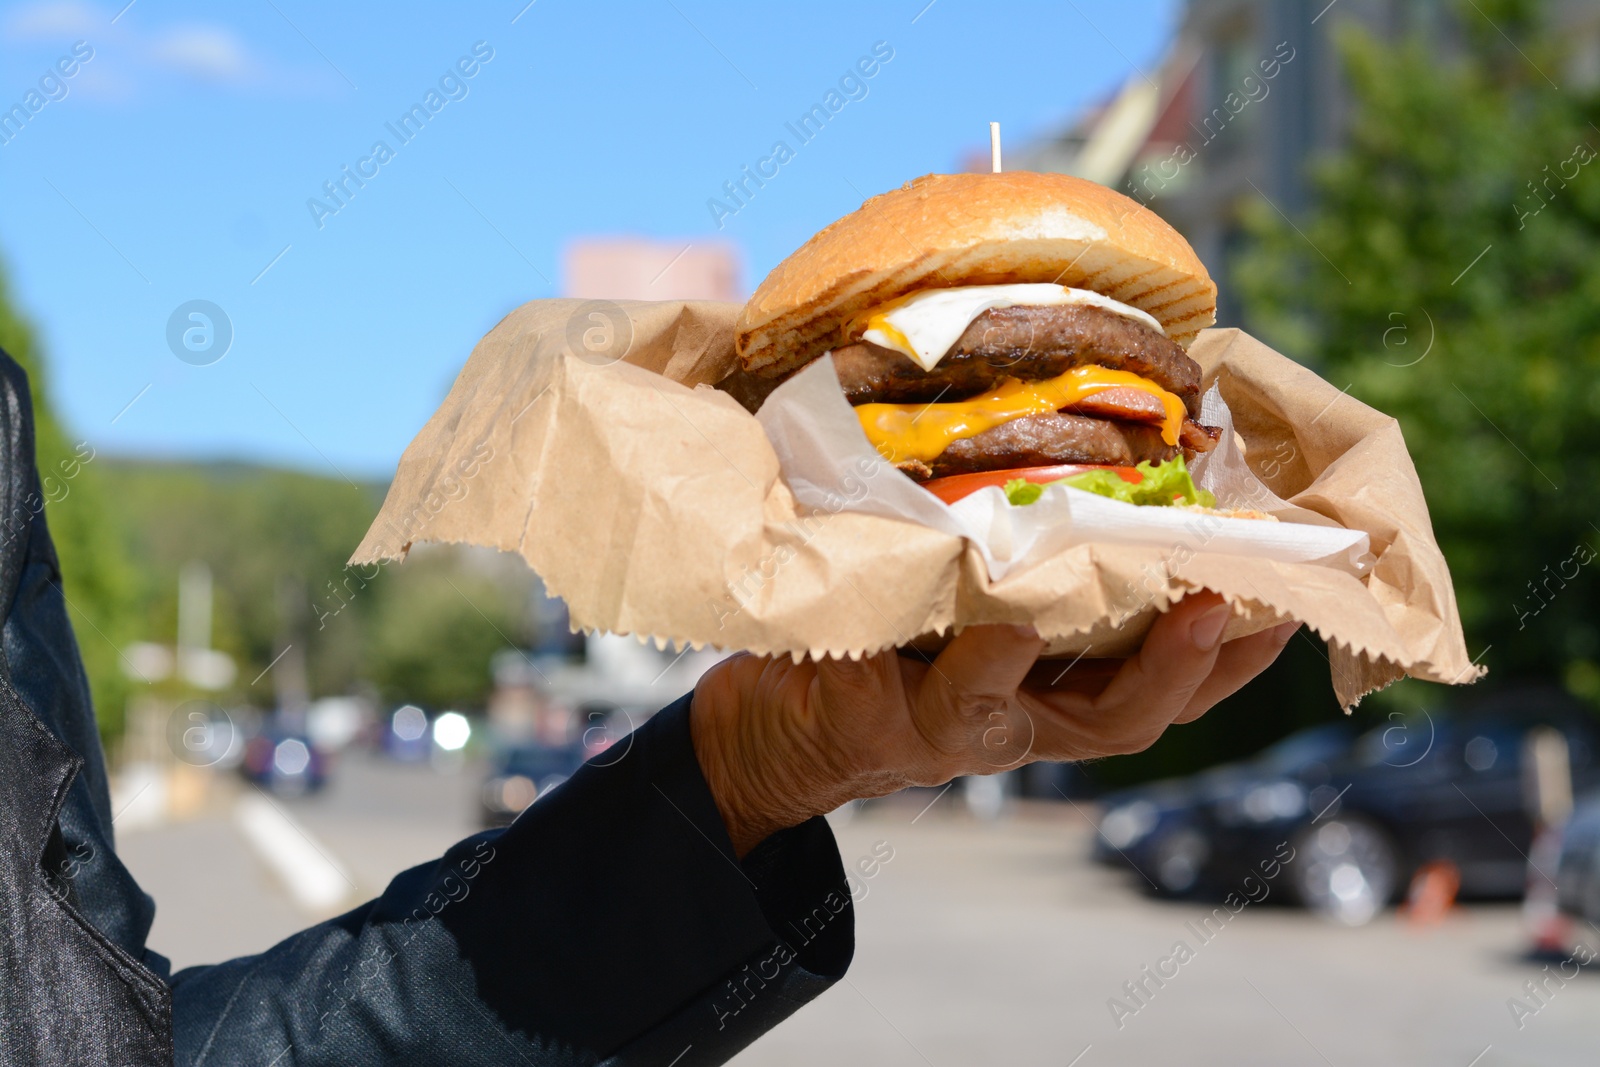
(827, 462)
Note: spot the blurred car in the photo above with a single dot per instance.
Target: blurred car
(1432, 788)
(1575, 848)
(403, 735)
(523, 774)
(283, 760)
(1158, 828)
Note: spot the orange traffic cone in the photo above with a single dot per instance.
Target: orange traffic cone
(1432, 893)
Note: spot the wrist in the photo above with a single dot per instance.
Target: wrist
(763, 770)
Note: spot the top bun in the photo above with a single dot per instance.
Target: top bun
(945, 230)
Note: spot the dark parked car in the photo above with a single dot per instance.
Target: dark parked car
(1159, 828)
(284, 761)
(1425, 788)
(1576, 846)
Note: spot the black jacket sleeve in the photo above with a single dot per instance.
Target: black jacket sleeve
(610, 923)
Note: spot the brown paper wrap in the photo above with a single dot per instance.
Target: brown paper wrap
(652, 504)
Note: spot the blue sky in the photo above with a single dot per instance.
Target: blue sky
(177, 162)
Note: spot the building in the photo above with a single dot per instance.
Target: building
(1247, 95)
(636, 268)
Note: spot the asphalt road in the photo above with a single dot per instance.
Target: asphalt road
(977, 943)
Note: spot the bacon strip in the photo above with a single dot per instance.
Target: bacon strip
(1136, 405)
(1196, 438)
(1123, 404)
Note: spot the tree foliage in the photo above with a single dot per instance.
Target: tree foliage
(276, 542)
(98, 579)
(438, 626)
(1449, 274)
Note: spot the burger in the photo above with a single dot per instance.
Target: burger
(1010, 330)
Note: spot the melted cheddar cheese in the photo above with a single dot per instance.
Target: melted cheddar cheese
(902, 432)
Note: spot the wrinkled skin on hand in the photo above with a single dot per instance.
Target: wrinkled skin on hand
(779, 742)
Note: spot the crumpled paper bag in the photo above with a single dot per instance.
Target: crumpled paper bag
(586, 436)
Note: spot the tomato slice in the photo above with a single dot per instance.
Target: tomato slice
(955, 486)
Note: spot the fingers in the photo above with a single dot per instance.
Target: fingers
(966, 711)
(1178, 654)
(987, 661)
(1145, 694)
(1082, 675)
(1237, 663)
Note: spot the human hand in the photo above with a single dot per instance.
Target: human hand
(779, 742)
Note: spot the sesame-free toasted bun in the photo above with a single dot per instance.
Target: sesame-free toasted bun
(944, 230)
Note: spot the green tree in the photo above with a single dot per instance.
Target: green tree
(97, 576)
(1449, 274)
(276, 542)
(255, 527)
(437, 626)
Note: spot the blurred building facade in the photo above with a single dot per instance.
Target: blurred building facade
(637, 268)
(1246, 96)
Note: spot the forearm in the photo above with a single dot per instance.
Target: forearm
(611, 917)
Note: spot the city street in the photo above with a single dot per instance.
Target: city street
(977, 943)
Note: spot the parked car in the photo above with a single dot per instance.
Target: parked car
(403, 735)
(284, 761)
(1432, 787)
(1157, 828)
(1576, 867)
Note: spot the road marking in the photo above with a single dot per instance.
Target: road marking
(316, 881)
(131, 799)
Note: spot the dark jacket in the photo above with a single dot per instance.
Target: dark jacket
(610, 924)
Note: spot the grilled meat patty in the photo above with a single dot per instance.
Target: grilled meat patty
(1118, 426)
(1030, 343)
(1045, 440)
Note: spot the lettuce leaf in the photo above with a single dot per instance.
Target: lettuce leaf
(1020, 491)
(1166, 483)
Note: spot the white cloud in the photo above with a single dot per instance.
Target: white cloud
(128, 56)
(210, 53)
(55, 18)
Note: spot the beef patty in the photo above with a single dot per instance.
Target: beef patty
(1045, 440)
(1027, 342)
(1030, 343)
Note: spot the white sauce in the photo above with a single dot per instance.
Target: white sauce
(934, 320)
